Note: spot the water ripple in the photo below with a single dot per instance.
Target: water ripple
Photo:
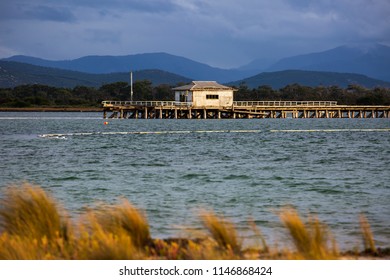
(241, 169)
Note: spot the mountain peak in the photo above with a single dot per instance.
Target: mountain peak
(372, 60)
(366, 47)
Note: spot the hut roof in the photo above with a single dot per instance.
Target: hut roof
(202, 85)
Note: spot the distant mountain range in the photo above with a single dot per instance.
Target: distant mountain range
(15, 73)
(162, 61)
(369, 63)
(370, 60)
(280, 79)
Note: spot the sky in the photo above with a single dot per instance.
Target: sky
(221, 33)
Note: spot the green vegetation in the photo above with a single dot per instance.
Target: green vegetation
(32, 226)
(81, 96)
(352, 95)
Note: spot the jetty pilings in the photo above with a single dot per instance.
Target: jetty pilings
(240, 110)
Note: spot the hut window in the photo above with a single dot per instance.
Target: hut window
(212, 96)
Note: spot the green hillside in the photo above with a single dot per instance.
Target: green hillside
(281, 79)
(14, 74)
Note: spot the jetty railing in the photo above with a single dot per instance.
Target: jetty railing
(235, 103)
(284, 103)
(145, 103)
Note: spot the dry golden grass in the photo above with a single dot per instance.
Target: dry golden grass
(368, 238)
(122, 219)
(312, 240)
(223, 232)
(27, 211)
(33, 227)
(100, 244)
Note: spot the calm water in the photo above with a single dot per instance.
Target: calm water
(241, 169)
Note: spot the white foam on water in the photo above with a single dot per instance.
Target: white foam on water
(57, 135)
(64, 135)
(333, 130)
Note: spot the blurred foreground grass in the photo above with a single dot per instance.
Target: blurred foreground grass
(32, 226)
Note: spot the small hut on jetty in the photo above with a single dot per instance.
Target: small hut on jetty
(205, 94)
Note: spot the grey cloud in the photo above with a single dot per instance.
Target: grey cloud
(147, 6)
(62, 10)
(221, 32)
(20, 10)
(46, 13)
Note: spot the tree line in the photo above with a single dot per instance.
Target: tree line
(46, 96)
(80, 96)
(352, 95)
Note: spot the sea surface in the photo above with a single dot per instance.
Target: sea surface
(244, 170)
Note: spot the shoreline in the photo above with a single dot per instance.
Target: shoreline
(52, 109)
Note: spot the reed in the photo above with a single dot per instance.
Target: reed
(368, 238)
(27, 211)
(311, 239)
(122, 219)
(259, 237)
(223, 232)
(102, 244)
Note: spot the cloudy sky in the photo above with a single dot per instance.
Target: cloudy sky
(222, 33)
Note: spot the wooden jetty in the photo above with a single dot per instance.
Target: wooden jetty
(239, 110)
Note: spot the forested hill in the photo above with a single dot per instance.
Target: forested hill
(181, 66)
(281, 79)
(371, 60)
(15, 73)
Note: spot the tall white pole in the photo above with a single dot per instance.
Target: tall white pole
(131, 85)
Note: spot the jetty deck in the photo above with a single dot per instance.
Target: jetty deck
(240, 110)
